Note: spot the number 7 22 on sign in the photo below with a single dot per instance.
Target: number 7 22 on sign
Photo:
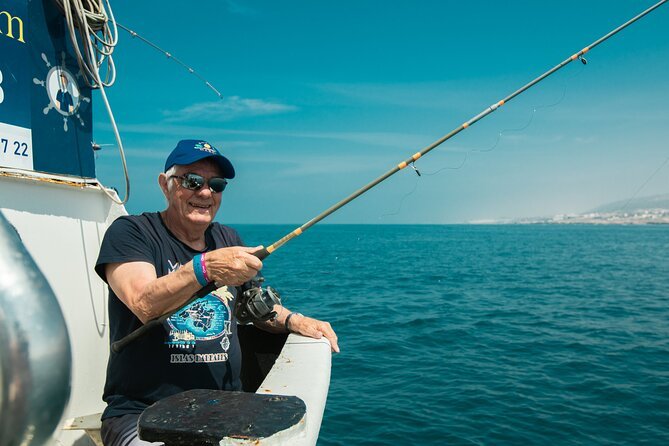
(17, 148)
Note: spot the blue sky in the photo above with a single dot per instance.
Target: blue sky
(322, 97)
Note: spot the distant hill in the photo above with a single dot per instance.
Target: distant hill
(641, 203)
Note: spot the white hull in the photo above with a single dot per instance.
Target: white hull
(62, 227)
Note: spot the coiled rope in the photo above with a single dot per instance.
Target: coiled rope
(98, 35)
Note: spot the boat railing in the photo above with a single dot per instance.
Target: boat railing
(35, 358)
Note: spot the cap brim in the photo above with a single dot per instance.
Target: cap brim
(225, 165)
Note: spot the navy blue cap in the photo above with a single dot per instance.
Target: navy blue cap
(189, 151)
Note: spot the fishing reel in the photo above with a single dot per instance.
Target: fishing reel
(256, 303)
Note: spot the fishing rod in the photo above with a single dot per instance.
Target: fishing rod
(257, 303)
(265, 252)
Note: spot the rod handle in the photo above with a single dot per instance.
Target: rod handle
(262, 253)
(122, 343)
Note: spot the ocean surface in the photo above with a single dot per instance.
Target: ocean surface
(471, 335)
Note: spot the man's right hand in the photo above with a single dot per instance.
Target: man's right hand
(148, 297)
(232, 266)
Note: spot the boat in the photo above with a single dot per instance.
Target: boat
(53, 313)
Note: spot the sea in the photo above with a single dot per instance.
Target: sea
(486, 335)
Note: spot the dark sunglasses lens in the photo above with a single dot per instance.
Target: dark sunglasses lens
(217, 184)
(193, 181)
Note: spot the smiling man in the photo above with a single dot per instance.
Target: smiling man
(153, 263)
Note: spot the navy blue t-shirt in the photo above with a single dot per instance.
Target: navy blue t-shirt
(196, 348)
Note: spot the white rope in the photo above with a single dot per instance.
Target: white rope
(89, 19)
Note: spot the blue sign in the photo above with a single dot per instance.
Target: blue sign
(45, 106)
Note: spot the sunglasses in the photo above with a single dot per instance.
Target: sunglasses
(193, 181)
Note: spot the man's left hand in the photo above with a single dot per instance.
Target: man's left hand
(313, 328)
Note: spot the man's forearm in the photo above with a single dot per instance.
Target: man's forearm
(149, 297)
(276, 325)
(286, 320)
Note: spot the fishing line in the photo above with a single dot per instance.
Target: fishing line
(458, 167)
(501, 133)
(645, 183)
(536, 108)
(419, 174)
(472, 150)
(510, 130)
(399, 208)
(497, 141)
(489, 149)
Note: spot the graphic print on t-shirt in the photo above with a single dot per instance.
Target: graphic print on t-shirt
(204, 320)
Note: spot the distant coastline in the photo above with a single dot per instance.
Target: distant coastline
(653, 210)
(637, 217)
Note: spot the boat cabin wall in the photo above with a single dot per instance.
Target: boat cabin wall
(61, 226)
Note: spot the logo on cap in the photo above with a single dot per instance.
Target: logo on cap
(205, 147)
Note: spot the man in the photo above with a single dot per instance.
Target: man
(153, 263)
(64, 100)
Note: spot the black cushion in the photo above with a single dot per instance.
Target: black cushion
(205, 417)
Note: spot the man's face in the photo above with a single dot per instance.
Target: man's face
(196, 207)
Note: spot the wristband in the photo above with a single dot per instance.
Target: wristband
(288, 320)
(204, 268)
(197, 269)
